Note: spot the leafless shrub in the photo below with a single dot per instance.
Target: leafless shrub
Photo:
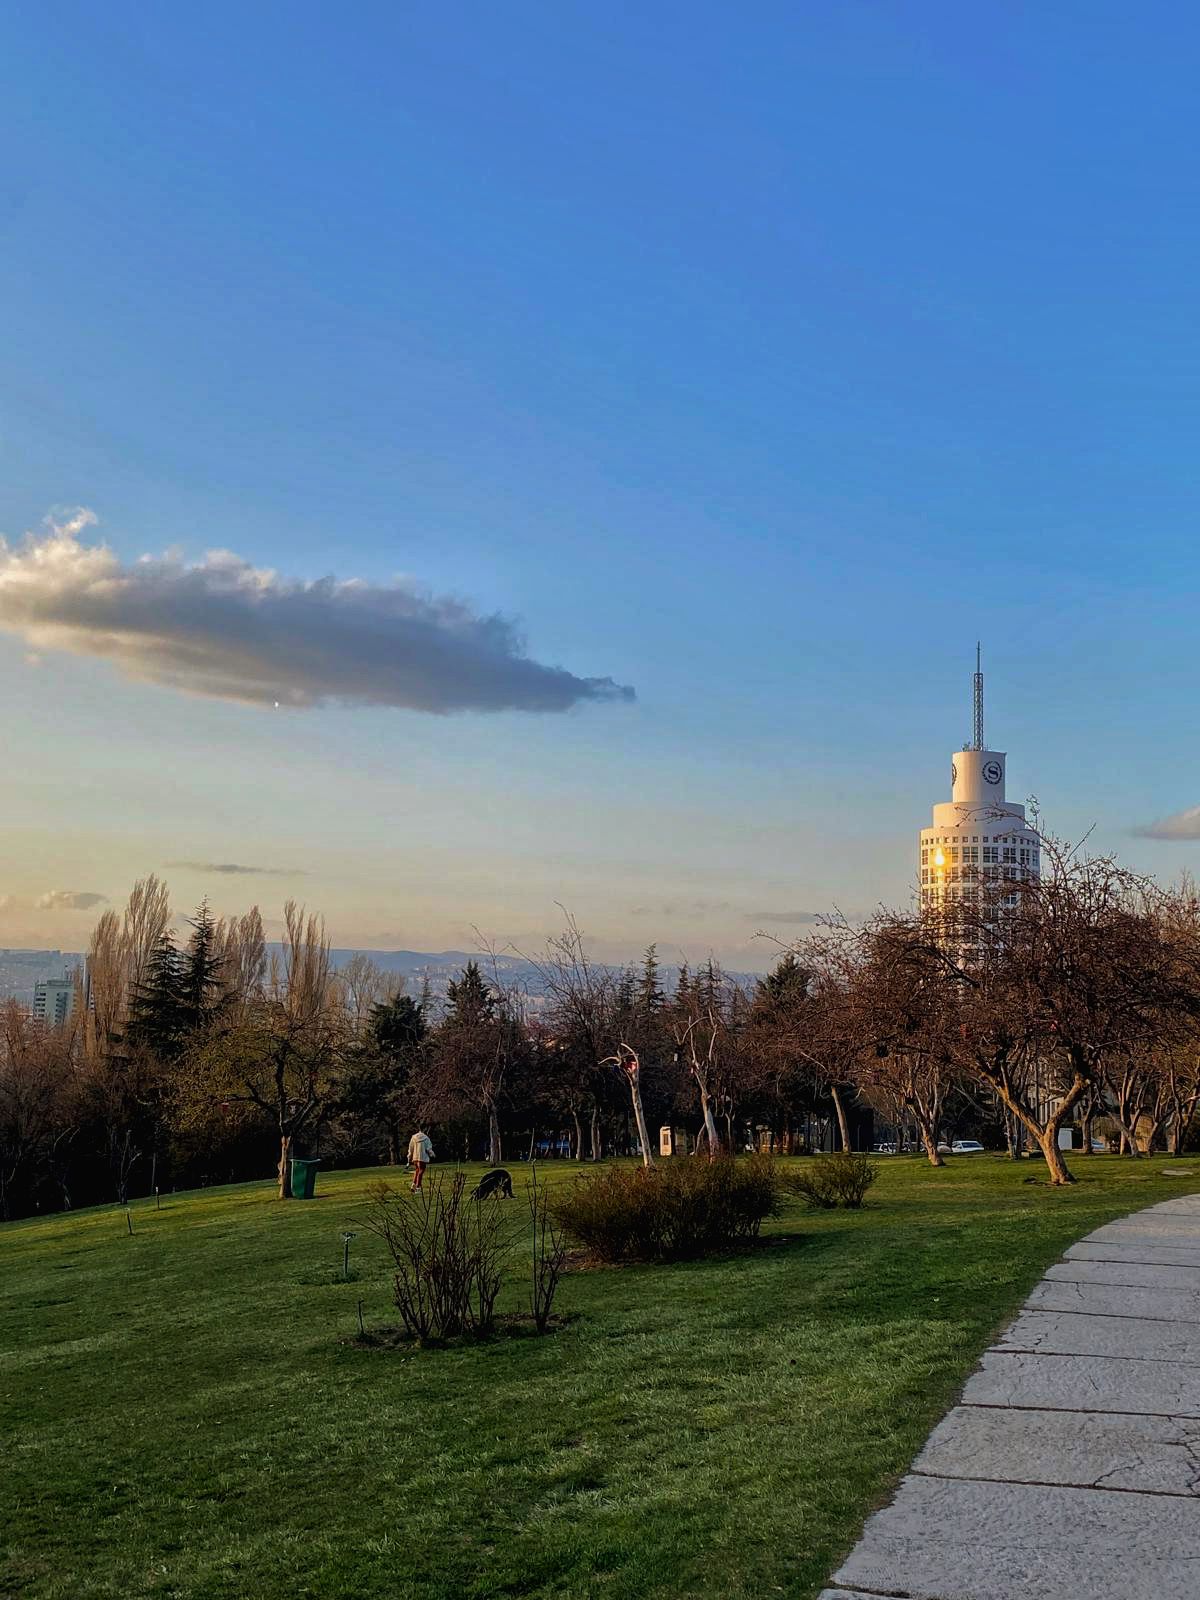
(449, 1254)
(548, 1255)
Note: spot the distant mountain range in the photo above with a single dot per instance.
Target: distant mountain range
(20, 970)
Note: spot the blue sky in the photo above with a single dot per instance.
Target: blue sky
(759, 359)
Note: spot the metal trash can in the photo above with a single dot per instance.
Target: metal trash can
(304, 1177)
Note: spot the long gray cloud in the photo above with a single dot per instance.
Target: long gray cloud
(1184, 825)
(224, 628)
(235, 869)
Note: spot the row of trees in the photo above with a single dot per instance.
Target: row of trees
(1059, 1001)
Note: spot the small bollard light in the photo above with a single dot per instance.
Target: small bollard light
(346, 1238)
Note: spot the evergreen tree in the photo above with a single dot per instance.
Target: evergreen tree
(425, 1003)
(396, 1027)
(200, 970)
(157, 1007)
(468, 998)
(650, 995)
(376, 1090)
(627, 992)
(787, 983)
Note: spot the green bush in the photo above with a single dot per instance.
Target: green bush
(677, 1210)
(841, 1179)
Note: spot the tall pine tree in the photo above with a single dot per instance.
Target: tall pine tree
(200, 971)
(157, 1010)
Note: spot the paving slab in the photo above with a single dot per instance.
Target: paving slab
(946, 1540)
(1067, 1333)
(1159, 1255)
(1132, 1274)
(1085, 1383)
(1118, 1300)
(1157, 1455)
(1178, 1229)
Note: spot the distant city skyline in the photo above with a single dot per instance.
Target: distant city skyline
(452, 471)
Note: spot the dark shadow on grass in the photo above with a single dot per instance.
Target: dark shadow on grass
(509, 1326)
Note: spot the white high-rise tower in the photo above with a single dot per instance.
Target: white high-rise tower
(977, 836)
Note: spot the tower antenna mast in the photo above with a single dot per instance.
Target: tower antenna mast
(978, 745)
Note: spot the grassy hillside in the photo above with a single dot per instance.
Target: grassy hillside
(185, 1413)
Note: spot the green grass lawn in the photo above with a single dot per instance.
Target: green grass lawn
(185, 1412)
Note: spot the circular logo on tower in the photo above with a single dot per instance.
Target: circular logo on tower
(992, 772)
(954, 772)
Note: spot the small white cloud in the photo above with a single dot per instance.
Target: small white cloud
(67, 900)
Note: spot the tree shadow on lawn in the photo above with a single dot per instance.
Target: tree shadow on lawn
(509, 1325)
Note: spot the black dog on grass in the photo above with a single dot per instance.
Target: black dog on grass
(495, 1182)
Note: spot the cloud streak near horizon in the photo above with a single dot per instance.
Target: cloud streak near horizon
(235, 869)
(1183, 825)
(223, 628)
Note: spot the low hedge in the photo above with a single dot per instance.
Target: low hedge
(676, 1210)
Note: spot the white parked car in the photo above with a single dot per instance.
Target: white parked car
(966, 1147)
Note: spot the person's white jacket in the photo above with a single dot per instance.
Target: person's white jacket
(420, 1149)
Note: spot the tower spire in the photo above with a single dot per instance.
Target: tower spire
(978, 745)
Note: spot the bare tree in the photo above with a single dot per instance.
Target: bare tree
(117, 960)
(280, 1055)
(364, 985)
(34, 1073)
(585, 1013)
(700, 1023)
(629, 1062)
(896, 1013)
(242, 952)
(1053, 982)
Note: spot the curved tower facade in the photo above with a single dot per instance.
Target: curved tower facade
(977, 836)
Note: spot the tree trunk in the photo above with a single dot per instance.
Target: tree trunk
(1085, 1126)
(597, 1143)
(1010, 1135)
(639, 1117)
(1046, 1136)
(843, 1125)
(495, 1155)
(285, 1166)
(929, 1140)
(710, 1124)
(1055, 1164)
(578, 1135)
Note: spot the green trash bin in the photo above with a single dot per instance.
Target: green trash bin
(304, 1177)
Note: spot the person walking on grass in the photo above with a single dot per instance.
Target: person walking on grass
(420, 1154)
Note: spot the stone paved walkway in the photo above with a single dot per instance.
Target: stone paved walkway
(1071, 1469)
